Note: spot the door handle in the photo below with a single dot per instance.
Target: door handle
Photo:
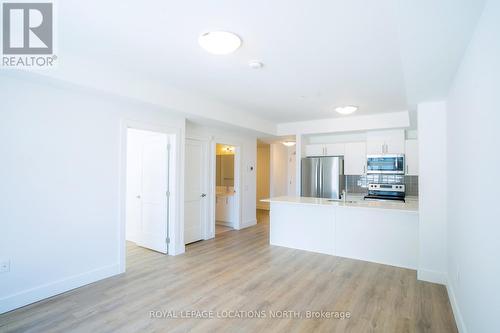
(203, 195)
(138, 196)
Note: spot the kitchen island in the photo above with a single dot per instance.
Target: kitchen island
(378, 231)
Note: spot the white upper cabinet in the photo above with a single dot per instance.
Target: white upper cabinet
(329, 149)
(411, 156)
(355, 158)
(335, 149)
(385, 142)
(315, 150)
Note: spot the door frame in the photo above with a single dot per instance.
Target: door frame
(213, 185)
(206, 185)
(174, 174)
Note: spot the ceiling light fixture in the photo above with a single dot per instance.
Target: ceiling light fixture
(289, 143)
(348, 109)
(219, 42)
(255, 64)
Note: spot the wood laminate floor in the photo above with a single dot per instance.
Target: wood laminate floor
(220, 228)
(240, 271)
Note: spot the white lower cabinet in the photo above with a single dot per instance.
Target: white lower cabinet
(224, 209)
(383, 236)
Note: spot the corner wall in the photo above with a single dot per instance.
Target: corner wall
(473, 184)
(60, 149)
(432, 192)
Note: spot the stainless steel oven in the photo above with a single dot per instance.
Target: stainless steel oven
(389, 164)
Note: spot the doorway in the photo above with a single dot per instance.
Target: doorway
(149, 188)
(225, 193)
(263, 180)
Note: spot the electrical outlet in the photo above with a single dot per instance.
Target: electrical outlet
(4, 266)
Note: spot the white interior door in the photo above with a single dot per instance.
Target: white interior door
(195, 193)
(147, 186)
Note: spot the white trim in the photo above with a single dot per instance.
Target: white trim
(39, 293)
(432, 276)
(459, 320)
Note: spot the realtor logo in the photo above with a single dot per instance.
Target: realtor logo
(27, 29)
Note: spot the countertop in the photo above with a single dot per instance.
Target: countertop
(224, 193)
(353, 201)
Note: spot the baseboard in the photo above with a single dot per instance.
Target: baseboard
(248, 224)
(39, 293)
(432, 276)
(224, 223)
(459, 320)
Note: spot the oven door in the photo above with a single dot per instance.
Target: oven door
(391, 164)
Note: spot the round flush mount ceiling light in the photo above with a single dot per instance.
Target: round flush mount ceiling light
(347, 109)
(219, 42)
(255, 64)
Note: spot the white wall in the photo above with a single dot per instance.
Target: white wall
(473, 181)
(279, 170)
(248, 150)
(432, 191)
(60, 170)
(263, 175)
(292, 169)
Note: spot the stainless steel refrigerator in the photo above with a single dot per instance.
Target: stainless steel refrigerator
(322, 177)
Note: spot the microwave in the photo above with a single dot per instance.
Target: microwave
(387, 164)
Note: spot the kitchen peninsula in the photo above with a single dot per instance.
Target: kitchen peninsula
(378, 231)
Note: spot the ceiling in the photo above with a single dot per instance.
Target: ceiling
(383, 55)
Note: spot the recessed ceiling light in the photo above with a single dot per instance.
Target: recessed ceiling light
(255, 64)
(289, 143)
(348, 109)
(219, 42)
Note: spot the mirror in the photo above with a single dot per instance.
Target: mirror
(225, 170)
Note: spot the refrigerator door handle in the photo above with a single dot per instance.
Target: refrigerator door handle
(320, 188)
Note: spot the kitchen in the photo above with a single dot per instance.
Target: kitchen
(357, 197)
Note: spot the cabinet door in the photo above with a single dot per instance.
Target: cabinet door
(395, 146)
(375, 147)
(385, 142)
(411, 155)
(315, 150)
(334, 149)
(355, 158)
(219, 208)
(230, 210)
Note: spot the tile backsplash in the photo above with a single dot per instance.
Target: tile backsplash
(359, 184)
